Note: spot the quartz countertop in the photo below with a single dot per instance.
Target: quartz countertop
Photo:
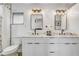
(53, 35)
(49, 36)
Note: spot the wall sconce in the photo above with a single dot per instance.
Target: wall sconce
(60, 12)
(36, 10)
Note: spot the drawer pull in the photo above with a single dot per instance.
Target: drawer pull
(51, 43)
(67, 43)
(74, 43)
(29, 43)
(52, 52)
(36, 43)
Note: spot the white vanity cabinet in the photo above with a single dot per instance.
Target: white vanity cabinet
(54, 46)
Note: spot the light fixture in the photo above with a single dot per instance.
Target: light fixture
(60, 12)
(36, 10)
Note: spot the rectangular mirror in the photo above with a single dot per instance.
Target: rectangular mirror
(37, 21)
(60, 22)
(57, 22)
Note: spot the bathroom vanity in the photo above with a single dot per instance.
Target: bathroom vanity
(50, 46)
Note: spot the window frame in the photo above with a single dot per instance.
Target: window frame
(17, 13)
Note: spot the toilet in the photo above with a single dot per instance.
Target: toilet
(11, 50)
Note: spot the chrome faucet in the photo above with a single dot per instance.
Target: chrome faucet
(62, 31)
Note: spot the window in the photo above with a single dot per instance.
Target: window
(18, 18)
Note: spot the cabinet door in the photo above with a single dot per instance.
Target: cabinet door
(28, 48)
(40, 50)
(69, 50)
(68, 47)
(75, 50)
(40, 47)
(64, 49)
(68, 40)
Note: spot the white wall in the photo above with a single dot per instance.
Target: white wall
(73, 19)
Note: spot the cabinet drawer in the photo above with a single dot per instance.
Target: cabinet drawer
(53, 40)
(53, 47)
(63, 40)
(41, 40)
(35, 40)
(68, 40)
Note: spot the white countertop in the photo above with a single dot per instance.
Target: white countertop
(53, 35)
(48, 36)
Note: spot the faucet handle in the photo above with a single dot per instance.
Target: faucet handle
(62, 30)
